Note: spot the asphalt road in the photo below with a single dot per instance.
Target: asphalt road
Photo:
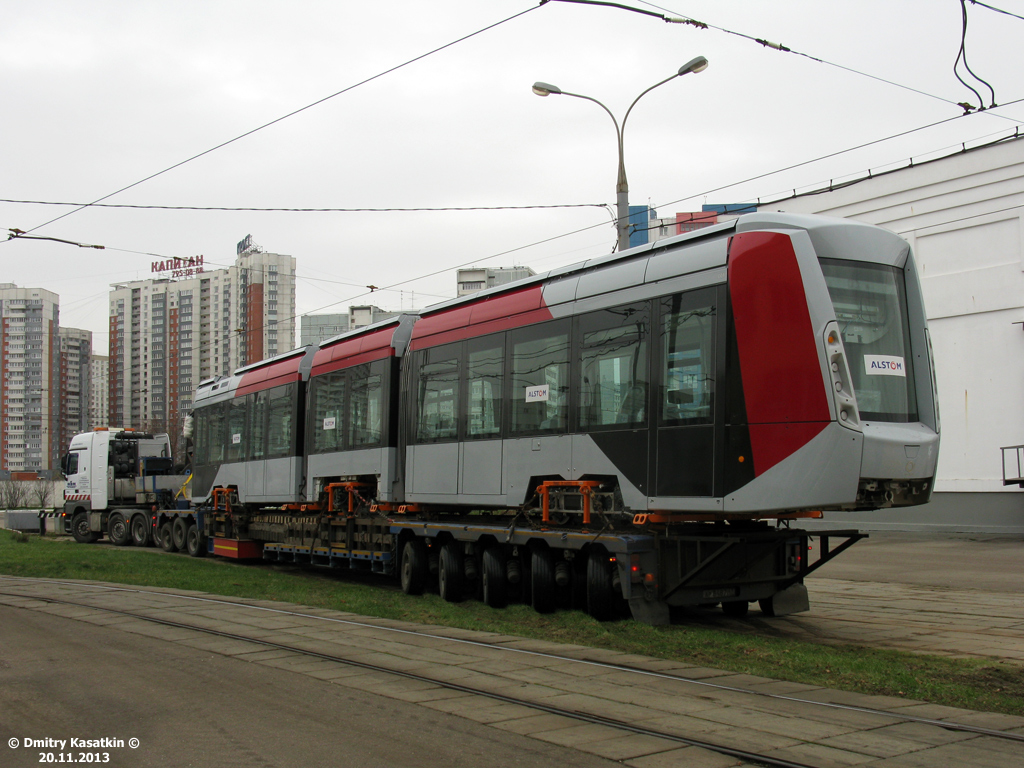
(61, 678)
(952, 561)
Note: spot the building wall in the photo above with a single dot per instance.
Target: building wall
(29, 379)
(99, 379)
(75, 383)
(473, 279)
(964, 217)
(316, 328)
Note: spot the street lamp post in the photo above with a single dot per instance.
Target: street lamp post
(698, 64)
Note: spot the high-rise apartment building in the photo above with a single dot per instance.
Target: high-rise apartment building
(169, 333)
(75, 378)
(29, 379)
(99, 380)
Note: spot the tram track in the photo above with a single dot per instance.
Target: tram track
(583, 717)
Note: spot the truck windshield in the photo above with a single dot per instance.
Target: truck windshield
(871, 308)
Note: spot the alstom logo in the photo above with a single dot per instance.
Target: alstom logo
(884, 365)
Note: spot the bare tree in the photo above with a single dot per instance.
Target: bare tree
(12, 494)
(41, 493)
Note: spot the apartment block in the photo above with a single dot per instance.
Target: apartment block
(29, 379)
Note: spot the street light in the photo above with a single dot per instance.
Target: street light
(698, 64)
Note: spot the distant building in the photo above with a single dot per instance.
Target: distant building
(475, 279)
(29, 379)
(316, 328)
(75, 378)
(98, 384)
(646, 227)
(368, 314)
(168, 334)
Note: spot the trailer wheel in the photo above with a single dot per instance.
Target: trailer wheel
(195, 542)
(80, 529)
(118, 531)
(167, 538)
(179, 533)
(542, 580)
(601, 602)
(449, 573)
(767, 605)
(737, 609)
(414, 567)
(140, 531)
(494, 583)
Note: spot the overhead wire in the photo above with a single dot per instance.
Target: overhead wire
(416, 209)
(962, 55)
(786, 49)
(997, 10)
(285, 117)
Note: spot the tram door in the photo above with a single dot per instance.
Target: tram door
(685, 371)
(480, 460)
(434, 453)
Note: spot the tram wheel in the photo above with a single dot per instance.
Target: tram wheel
(495, 584)
(542, 581)
(449, 573)
(737, 609)
(140, 531)
(601, 603)
(414, 567)
(118, 531)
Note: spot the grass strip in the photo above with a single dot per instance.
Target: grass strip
(968, 683)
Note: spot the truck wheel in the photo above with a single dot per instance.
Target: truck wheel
(495, 584)
(118, 531)
(179, 533)
(449, 573)
(737, 609)
(600, 594)
(195, 542)
(542, 580)
(140, 531)
(414, 567)
(167, 538)
(80, 529)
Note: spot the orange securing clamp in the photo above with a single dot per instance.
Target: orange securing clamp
(352, 489)
(220, 494)
(585, 487)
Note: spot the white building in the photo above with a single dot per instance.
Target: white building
(964, 217)
(167, 334)
(29, 379)
(473, 279)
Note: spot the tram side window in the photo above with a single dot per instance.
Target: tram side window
(280, 421)
(257, 405)
(483, 389)
(237, 441)
(438, 395)
(328, 402)
(215, 435)
(613, 370)
(688, 359)
(540, 379)
(201, 437)
(366, 404)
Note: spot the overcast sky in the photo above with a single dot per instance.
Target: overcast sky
(98, 95)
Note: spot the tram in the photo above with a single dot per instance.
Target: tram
(763, 369)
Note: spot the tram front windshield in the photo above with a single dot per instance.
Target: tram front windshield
(871, 307)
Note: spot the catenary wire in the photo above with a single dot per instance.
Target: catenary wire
(300, 210)
(997, 10)
(786, 49)
(290, 114)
